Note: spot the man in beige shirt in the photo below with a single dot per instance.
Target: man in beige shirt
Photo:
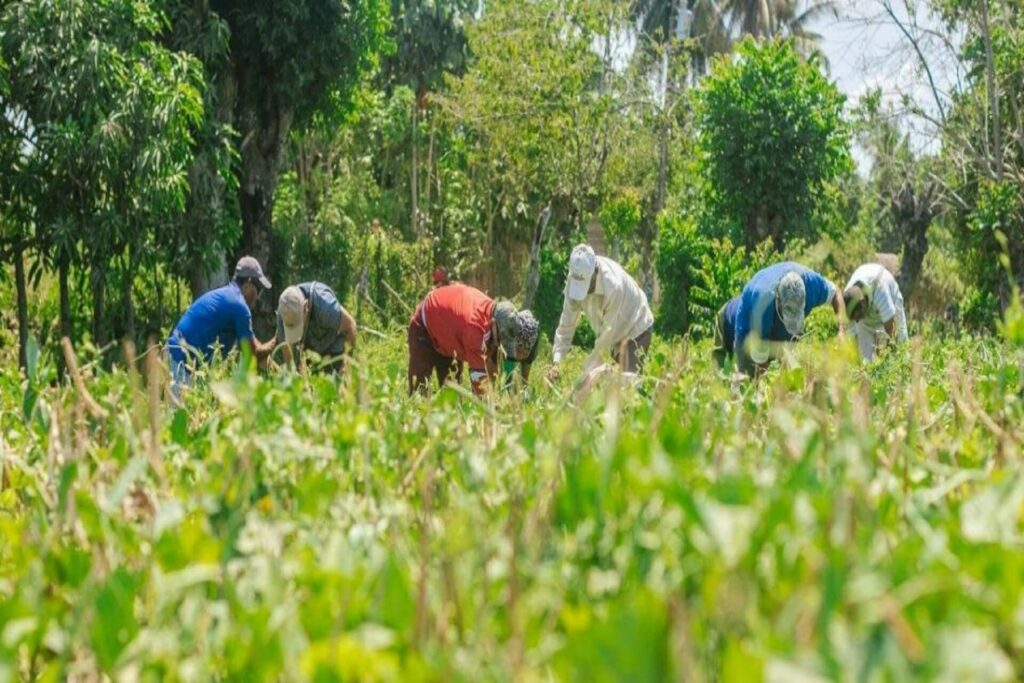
(615, 306)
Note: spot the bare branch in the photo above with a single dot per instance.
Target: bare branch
(915, 43)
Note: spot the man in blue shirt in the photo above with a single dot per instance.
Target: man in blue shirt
(220, 318)
(772, 308)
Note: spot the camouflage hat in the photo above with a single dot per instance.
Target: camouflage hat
(504, 315)
(527, 335)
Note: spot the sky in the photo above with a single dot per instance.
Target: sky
(865, 49)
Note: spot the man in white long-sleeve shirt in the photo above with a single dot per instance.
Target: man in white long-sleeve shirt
(875, 306)
(615, 306)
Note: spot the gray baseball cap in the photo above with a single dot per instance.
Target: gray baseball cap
(250, 267)
(791, 296)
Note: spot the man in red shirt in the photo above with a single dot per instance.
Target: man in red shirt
(458, 324)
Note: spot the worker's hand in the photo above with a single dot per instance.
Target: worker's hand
(841, 335)
(553, 373)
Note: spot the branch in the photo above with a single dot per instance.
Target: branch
(10, 247)
(920, 54)
(91, 405)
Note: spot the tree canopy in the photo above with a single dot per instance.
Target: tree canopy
(771, 138)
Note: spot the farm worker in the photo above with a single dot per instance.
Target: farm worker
(772, 308)
(309, 317)
(221, 317)
(457, 324)
(615, 306)
(875, 306)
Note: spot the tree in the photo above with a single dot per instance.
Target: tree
(104, 116)
(903, 196)
(538, 113)
(286, 65)
(772, 139)
(657, 21)
(429, 42)
(983, 143)
(778, 19)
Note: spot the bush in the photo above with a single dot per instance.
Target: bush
(679, 249)
(698, 275)
(979, 310)
(326, 259)
(393, 276)
(992, 241)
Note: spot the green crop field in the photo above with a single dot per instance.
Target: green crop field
(833, 521)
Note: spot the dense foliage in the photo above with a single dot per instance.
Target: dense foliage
(203, 130)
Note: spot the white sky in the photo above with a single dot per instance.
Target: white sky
(866, 49)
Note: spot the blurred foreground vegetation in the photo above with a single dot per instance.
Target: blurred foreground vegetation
(834, 521)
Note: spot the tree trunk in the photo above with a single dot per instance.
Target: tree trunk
(430, 165)
(262, 152)
(201, 279)
(912, 212)
(127, 300)
(414, 182)
(533, 273)
(649, 226)
(207, 196)
(99, 328)
(992, 88)
(22, 294)
(158, 287)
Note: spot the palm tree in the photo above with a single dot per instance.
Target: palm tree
(784, 18)
(717, 23)
(656, 23)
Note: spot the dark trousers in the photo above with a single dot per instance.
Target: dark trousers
(424, 360)
(722, 350)
(630, 353)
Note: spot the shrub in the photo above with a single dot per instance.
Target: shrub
(326, 259)
(679, 248)
(698, 275)
(979, 310)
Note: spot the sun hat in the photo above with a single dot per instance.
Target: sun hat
(291, 308)
(791, 297)
(249, 267)
(582, 264)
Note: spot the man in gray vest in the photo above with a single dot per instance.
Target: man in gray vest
(309, 317)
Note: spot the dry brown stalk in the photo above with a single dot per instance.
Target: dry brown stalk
(94, 408)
